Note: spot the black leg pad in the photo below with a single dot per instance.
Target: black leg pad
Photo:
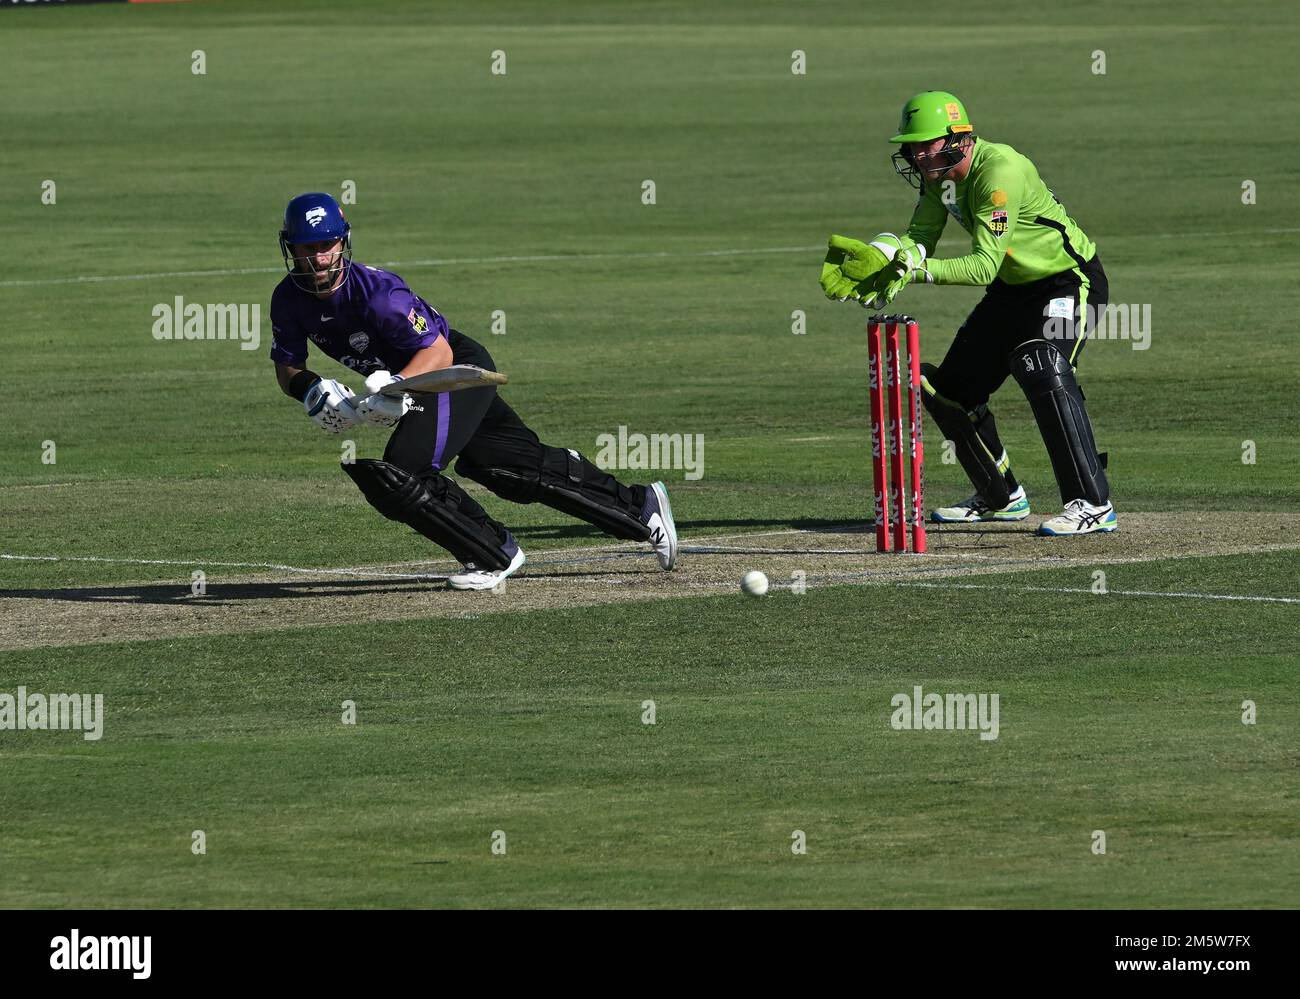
(568, 482)
(1057, 401)
(962, 426)
(434, 506)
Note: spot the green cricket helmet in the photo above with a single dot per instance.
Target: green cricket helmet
(930, 115)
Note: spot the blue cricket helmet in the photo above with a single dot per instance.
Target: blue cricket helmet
(313, 218)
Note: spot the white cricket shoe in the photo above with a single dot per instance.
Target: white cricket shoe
(975, 509)
(1081, 517)
(657, 515)
(474, 578)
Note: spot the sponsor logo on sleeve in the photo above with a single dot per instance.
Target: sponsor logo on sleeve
(999, 199)
(418, 322)
(998, 223)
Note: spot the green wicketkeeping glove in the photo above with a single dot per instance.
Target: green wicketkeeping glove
(886, 292)
(907, 266)
(849, 263)
(865, 265)
(866, 295)
(834, 283)
(836, 286)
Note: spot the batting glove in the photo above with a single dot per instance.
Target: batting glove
(327, 403)
(384, 410)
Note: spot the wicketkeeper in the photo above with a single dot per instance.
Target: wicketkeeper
(368, 320)
(1046, 287)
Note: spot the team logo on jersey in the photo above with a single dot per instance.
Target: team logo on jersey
(998, 224)
(315, 217)
(359, 341)
(999, 199)
(418, 323)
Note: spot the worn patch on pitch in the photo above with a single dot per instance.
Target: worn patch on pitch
(161, 606)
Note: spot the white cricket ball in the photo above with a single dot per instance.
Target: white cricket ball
(753, 583)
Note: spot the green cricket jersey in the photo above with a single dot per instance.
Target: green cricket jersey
(1019, 231)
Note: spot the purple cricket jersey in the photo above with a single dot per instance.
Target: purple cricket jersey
(371, 322)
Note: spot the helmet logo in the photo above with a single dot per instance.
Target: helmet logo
(954, 111)
(316, 216)
(907, 117)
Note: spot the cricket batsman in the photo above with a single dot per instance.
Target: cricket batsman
(1044, 284)
(368, 320)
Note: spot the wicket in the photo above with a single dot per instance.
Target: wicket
(891, 508)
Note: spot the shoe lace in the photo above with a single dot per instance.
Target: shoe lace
(1076, 509)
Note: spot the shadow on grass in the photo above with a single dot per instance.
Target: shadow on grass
(843, 526)
(230, 594)
(756, 524)
(219, 595)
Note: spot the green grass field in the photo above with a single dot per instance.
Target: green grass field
(522, 193)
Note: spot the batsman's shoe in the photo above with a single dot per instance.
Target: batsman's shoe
(657, 515)
(474, 578)
(1081, 517)
(975, 510)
